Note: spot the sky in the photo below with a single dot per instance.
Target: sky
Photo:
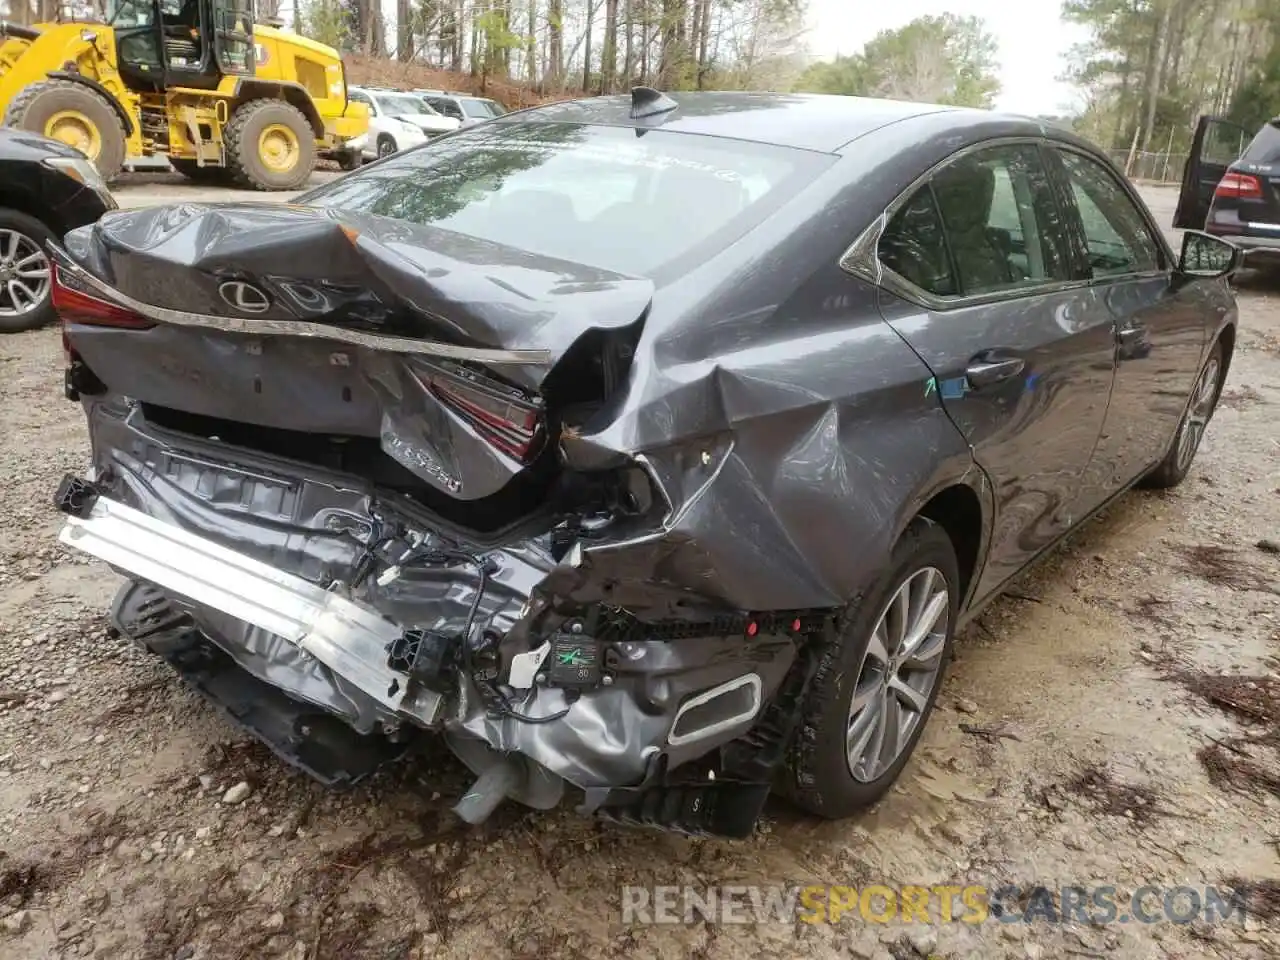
(1033, 41)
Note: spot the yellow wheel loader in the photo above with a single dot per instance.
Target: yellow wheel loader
(193, 80)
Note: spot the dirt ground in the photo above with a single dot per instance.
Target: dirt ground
(1114, 720)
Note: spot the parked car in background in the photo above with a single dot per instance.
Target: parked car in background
(497, 441)
(1231, 186)
(46, 189)
(397, 121)
(463, 107)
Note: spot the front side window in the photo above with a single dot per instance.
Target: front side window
(1116, 234)
(594, 195)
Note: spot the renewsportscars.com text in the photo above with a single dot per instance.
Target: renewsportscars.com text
(972, 904)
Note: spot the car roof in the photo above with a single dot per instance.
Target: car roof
(809, 121)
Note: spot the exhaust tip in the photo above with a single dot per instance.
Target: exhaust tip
(714, 711)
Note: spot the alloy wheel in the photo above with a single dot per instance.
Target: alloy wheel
(899, 671)
(24, 274)
(1198, 412)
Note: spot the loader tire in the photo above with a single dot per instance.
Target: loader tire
(75, 115)
(206, 175)
(270, 146)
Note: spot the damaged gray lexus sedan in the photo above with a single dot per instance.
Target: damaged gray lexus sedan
(654, 447)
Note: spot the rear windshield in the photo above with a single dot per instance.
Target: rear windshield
(602, 196)
(1264, 148)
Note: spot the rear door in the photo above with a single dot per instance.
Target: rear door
(979, 277)
(1216, 145)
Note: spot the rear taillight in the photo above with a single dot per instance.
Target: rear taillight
(506, 418)
(75, 305)
(1240, 186)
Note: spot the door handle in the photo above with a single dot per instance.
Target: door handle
(984, 371)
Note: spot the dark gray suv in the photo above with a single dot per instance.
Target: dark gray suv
(653, 447)
(1231, 187)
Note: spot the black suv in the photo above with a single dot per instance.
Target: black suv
(1231, 186)
(46, 189)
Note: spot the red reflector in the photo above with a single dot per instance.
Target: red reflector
(752, 628)
(76, 306)
(795, 625)
(1239, 185)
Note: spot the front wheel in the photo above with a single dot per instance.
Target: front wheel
(1175, 466)
(386, 146)
(25, 301)
(76, 115)
(876, 686)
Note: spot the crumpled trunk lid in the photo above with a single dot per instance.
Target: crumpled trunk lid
(460, 358)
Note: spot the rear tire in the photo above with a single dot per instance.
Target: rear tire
(32, 236)
(350, 161)
(75, 115)
(1175, 466)
(386, 146)
(270, 146)
(837, 767)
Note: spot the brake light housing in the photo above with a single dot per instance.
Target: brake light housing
(1240, 186)
(505, 417)
(73, 303)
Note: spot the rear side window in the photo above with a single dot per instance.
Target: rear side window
(1263, 149)
(985, 223)
(595, 195)
(1116, 234)
(914, 248)
(479, 109)
(449, 108)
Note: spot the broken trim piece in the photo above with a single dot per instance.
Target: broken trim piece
(346, 637)
(258, 326)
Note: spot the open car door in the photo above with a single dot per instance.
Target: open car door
(1217, 144)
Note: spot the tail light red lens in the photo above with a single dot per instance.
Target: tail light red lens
(505, 418)
(1241, 186)
(74, 305)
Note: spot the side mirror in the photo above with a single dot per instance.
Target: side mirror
(1204, 255)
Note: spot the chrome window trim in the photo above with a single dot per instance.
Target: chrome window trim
(860, 258)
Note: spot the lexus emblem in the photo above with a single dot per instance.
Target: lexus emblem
(245, 297)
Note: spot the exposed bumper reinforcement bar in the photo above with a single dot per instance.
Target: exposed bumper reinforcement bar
(346, 637)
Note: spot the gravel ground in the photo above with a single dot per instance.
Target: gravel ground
(1112, 721)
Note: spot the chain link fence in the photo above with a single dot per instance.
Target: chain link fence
(1151, 166)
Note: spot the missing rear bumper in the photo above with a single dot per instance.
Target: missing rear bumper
(302, 735)
(345, 636)
(264, 613)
